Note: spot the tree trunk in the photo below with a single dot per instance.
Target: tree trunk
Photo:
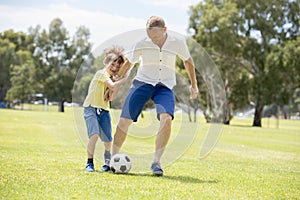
(258, 115)
(227, 114)
(207, 116)
(195, 114)
(189, 112)
(61, 107)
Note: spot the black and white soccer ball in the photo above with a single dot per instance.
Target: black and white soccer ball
(120, 163)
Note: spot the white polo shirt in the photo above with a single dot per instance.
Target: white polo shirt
(158, 65)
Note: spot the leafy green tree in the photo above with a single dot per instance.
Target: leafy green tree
(20, 39)
(244, 32)
(215, 27)
(39, 52)
(7, 53)
(14, 50)
(265, 25)
(285, 60)
(58, 58)
(21, 79)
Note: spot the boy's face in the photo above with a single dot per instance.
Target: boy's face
(113, 68)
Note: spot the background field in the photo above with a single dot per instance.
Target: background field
(42, 157)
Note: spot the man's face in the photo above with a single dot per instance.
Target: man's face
(156, 34)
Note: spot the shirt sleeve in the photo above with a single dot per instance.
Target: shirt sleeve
(135, 54)
(183, 51)
(102, 76)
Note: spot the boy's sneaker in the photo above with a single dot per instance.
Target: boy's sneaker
(156, 169)
(89, 167)
(105, 167)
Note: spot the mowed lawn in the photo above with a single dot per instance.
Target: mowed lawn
(43, 157)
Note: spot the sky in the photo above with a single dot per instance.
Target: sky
(104, 18)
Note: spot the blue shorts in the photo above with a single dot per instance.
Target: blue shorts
(141, 92)
(98, 121)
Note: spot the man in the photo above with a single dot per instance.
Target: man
(155, 80)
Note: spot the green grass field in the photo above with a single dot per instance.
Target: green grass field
(42, 157)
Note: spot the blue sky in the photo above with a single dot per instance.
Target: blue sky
(104, 18)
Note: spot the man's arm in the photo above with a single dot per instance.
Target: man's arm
(190, 68)
(121, 77)
(125, 69)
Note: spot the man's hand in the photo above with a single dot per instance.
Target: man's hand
(194, 92)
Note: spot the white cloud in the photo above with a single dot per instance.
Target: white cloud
(181, 4)
(101, 25)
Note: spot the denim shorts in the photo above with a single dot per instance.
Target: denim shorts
(141, 92)
(98, 121)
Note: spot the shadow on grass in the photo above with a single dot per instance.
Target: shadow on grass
(184, 179)
(241, 125)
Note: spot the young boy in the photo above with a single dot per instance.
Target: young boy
(96, 106)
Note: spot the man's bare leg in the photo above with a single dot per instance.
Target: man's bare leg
(120, 135)
(162, 136)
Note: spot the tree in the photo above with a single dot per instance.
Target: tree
(274, 23)
(58, 58)
(285, 60)
(7, 52)
(22, 82)
(212, 22)
(14, 51)
(209, 83)
(244, 33)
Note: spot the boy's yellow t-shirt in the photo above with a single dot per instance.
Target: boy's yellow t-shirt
(97, 88)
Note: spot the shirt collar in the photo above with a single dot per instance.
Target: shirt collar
(169, 38)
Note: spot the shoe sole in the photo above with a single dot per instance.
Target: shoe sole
(158, 173)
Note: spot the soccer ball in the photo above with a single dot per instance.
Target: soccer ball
(120, 164)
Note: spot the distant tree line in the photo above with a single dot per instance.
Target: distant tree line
(42, 61)
(254, 44)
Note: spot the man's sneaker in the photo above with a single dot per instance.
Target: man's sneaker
(89, 167)
(105, 167)
(156, 169)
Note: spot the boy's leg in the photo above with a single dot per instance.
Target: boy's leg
(107, 156)
(90, 152)
(91, 145)
(107, 146)
(104, 120)
(93, 131)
